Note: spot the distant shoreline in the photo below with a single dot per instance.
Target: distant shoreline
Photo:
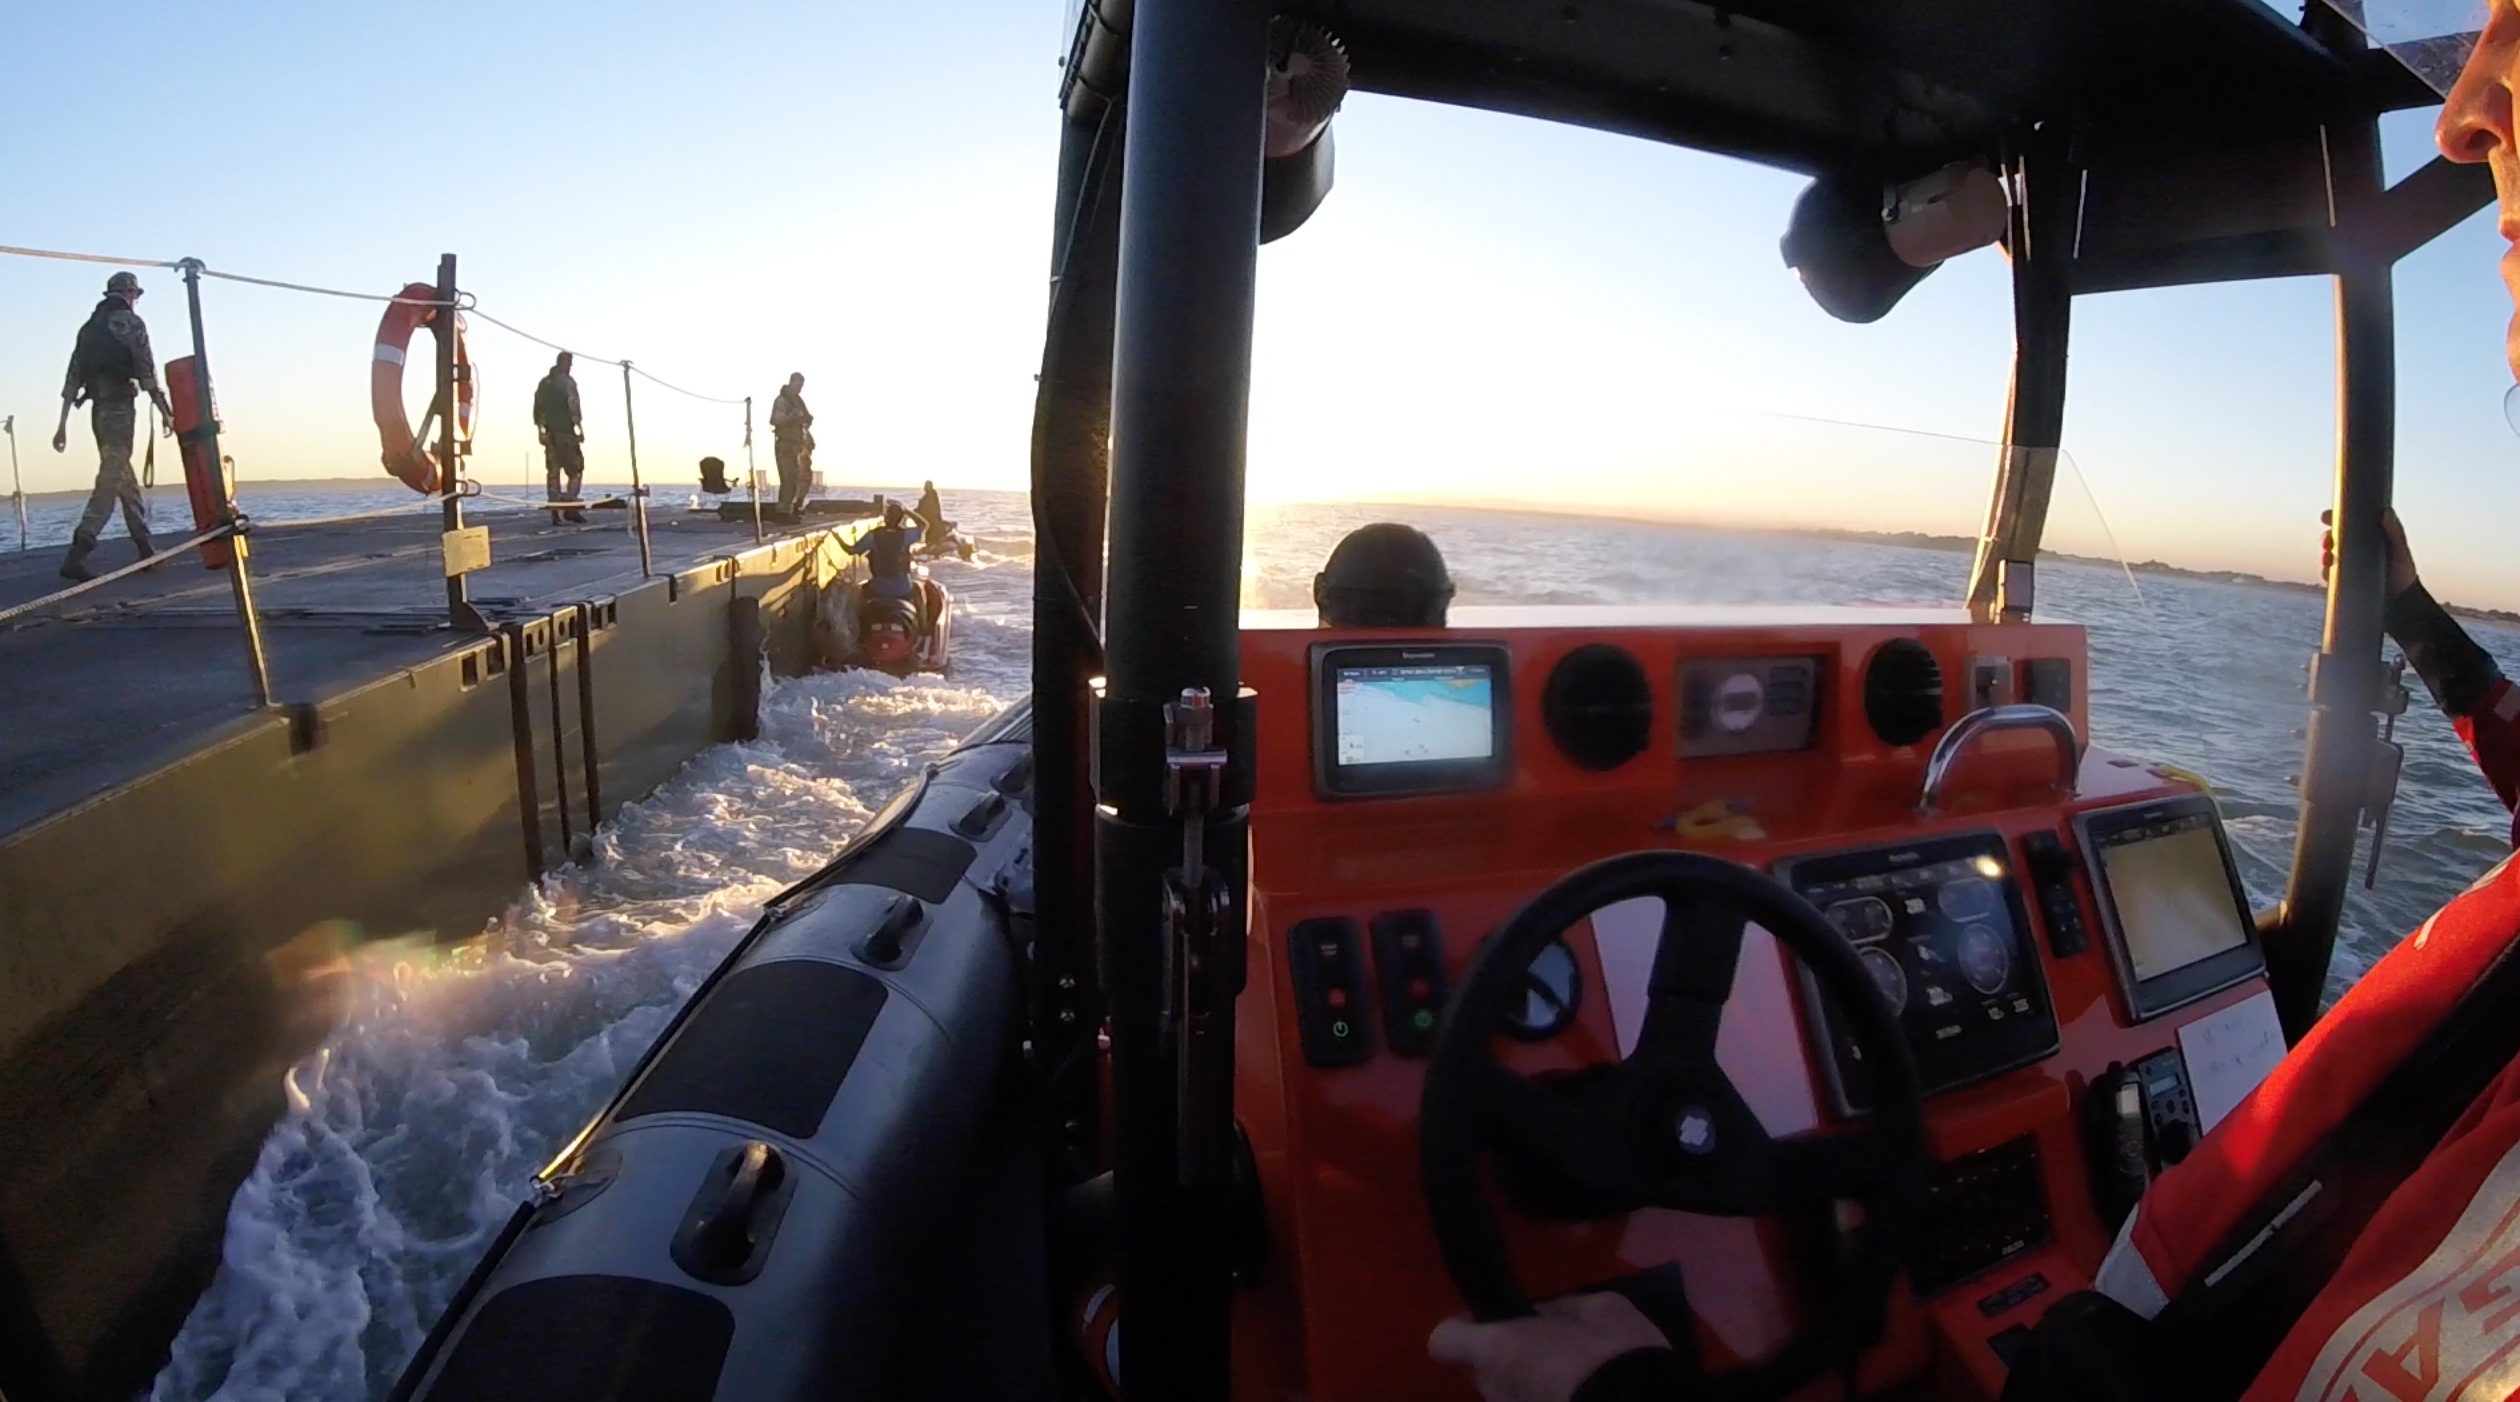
(1913, 540)
(1948, 544)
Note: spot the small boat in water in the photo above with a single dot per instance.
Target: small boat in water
(899, 626)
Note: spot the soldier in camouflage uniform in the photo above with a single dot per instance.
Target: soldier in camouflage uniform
(109, 366)
(561, 423)
(792, 445)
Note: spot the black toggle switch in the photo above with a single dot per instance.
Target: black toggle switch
(2052, 878)
(1327, 959)
(1409, 963)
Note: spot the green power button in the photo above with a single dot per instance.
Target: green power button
(1422, 1019)
(1339, 1029)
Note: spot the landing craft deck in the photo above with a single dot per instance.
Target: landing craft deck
(121, 679)
(179, 866)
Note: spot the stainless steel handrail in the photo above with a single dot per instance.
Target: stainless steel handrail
(1969, 728)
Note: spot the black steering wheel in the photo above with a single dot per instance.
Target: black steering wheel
(1665, 1127)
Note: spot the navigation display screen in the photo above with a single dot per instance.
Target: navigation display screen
(1411, 720)
(1410, 715)
(2177, 916)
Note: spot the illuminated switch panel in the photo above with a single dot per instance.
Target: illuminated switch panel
(1409, 964)
(1327, 958)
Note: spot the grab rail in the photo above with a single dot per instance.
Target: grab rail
(1976, 724)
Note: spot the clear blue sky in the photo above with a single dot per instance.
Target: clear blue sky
(1487, 308)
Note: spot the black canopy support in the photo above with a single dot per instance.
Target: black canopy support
(2421, 208)
(1070, 475)
(2385, 228)
(1181, 378)
(2345, 678)
(2041, 244)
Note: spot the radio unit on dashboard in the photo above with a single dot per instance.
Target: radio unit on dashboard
(1426, 718)
(2171, 902)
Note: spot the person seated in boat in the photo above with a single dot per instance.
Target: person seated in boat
(887, 550)
(1385, 575)
(2352, 1228)
(939, 539)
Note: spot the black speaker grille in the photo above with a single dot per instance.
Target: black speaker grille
(1599, 706)
(1903, 692)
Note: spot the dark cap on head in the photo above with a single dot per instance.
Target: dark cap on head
(892, 513)
(1385, 575)
(122, 282)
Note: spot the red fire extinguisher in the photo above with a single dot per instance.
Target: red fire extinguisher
(204, 480)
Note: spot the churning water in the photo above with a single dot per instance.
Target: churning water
(411, 1135)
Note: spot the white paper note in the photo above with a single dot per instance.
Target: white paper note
(2229, 1052)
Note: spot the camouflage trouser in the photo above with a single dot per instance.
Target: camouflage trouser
(564, 468)
(795, 477)
(115, 484)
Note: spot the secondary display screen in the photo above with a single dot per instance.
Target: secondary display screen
(2173, 901)
(1403, 720)
(2176, 915)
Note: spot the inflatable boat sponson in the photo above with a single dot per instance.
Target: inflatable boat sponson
(738, 1223)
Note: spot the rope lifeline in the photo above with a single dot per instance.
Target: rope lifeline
(512, 330)
(460, 303)
(84, 257)
(159, 558)
(462, 300)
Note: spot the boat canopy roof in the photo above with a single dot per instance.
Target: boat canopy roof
(1892, 88)
(2196, 130)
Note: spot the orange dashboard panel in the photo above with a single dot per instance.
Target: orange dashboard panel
(1415, 790)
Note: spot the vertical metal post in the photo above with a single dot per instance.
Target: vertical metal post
(752, 474)
(2346, 678)
(460, 613)
(1181, 380)
(240, 570)
(638, 491)
(2040, 240)
(17, 489)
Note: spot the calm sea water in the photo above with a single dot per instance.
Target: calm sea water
(413, 1132)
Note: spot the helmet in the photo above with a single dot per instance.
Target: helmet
(121, 282)
(1385, 575)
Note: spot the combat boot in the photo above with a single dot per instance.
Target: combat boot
(74, 564)
(141, 542)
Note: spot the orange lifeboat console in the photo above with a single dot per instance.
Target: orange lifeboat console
(1632, 946)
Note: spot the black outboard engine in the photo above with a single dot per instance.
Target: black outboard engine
(888, 630)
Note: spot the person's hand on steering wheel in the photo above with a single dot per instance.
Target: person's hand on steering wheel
(1548, 1356)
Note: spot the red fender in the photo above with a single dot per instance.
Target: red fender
(405, 456)
(202, 478)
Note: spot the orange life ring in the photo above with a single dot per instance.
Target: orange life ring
(406, 456)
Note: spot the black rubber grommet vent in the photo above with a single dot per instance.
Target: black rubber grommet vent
(1599, 707)
(1903, 692)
